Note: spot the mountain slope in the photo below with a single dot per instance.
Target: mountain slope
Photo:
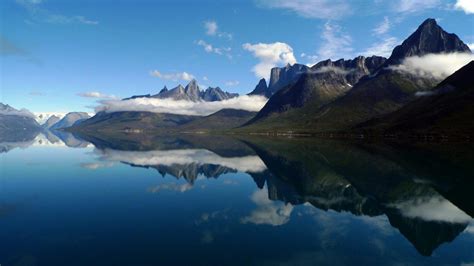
(224, 119)
(131, 121)
(448, 111)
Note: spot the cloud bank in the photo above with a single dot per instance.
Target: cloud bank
(437, 66)
(270, 56)
(244, 102)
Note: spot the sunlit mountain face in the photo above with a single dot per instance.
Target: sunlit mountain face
(293, 200)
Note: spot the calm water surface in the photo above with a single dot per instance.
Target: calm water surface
(195, 200)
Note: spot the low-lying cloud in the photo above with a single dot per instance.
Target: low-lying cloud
(438, 66)
(250, 164)
(432, 209)
(268, 212)
(182, 107)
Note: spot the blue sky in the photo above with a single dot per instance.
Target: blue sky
(59, 56)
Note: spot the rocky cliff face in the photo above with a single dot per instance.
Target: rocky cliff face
(284, 76)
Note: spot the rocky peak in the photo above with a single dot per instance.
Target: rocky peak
(261, 89)
(428, 38)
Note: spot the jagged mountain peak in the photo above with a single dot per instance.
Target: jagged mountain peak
(428, 38)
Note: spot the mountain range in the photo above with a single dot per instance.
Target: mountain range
(334, 99)
(364, 95)
(191, 92)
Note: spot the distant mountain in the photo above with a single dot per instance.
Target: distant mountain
(322, 84)
(132, 121)
(428, 38)
(300, 108)
(224, 119)
(191, 92)
(50, 122)
(70, 119)
(17, 125)
(447, 111)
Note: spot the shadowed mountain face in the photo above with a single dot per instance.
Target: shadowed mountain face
(447, 111)
(424, 191)
(375, 89)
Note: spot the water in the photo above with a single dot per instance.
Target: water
(196, 200)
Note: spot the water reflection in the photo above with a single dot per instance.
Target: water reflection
(299, 192)
(42, 138)
(428, 207)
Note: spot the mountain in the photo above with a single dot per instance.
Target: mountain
(383, 91)
(261, 89)
(70, 119)
(216, 94)
(50, 122)
(132, 121)
(428, 38)
(224, 119)
(447, 111)
(17, 125)
(191, 92)
(322, 84)
(281, 77)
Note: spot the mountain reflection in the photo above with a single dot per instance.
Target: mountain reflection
(51, 138)
(424, 191)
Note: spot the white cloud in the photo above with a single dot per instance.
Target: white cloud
(205, 78)
(211, 49)
(432, 209)
(413, 6)
(466, 5)
(96, 94)
(268, 212)
(212, 29)
(382, 48)
(243, 102)
(250, 164)
(319, 9)
(232, 83)
(171, 187)
(40, 14)
(270, 55)
(437, 66)
(383, 27)
(172, 76)
(336, 70)
(336, 43)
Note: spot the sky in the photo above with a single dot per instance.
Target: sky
(60, 56)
